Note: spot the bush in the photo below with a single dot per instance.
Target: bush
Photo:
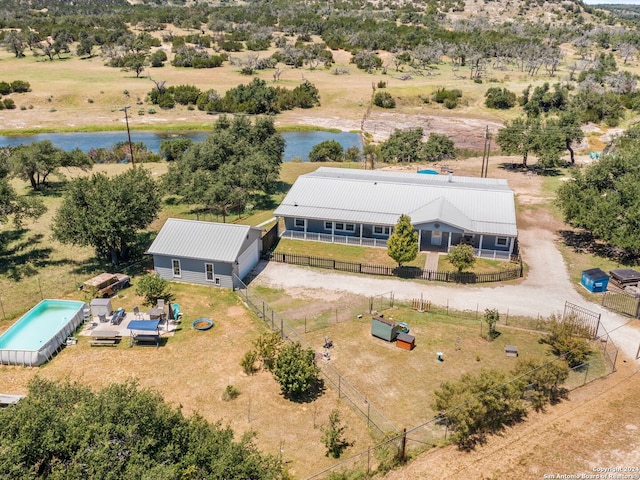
(461, 257)
(499, 98)
(5, 88)
(384, 100)
(248, 362)
(153, 287)
(442, 95)
(20, 86)
(230, 393)
(296, 371)
(568, 339)
(9, 104)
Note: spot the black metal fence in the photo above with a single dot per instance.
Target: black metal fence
(622, 303)
(413, 273)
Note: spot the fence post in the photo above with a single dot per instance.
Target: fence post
(404, 445)
(281, 327)
(263, 317)
(4, 317)
(340, 384)
(273, 326)
(585, 374)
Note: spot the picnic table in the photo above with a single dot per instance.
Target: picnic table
(104, 338)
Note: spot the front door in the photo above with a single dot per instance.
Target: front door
(436, 237)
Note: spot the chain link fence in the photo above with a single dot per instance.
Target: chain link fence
(378, 424)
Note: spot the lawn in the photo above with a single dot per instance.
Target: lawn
(345, 253)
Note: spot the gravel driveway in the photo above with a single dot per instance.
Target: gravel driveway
(544, 291)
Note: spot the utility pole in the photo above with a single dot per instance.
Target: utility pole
(485, 153)
(126, 119)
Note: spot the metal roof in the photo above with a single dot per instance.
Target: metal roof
(200, 240)
(480, 205)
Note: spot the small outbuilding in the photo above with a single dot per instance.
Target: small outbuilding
(595, 280)
(206, 253)
(406, 341)
(385, 329)
(101, 306)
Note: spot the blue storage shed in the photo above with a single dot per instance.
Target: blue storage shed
(595, 280)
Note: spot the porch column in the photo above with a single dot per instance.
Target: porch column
(361, 226)
(333, 230)
(480, 245)
(305, 228)
(449, 242)
(420, 240)
(512, 242)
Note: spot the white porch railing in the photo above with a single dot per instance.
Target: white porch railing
(340, 239)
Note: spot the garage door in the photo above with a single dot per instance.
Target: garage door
(248, 259)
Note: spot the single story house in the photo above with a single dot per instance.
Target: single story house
(361, 207)
(206, 253)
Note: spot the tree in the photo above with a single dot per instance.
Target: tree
(402, 244)
(136, 62)
(153, 287)
(327, 151)
(37, 161)
(106, 213)
(461, 256)
(296, 371)
(604, 198)
(518, 137)
(568, 339)
(333, 435)
(235, 163)
(15, 43)
(66, 430)
(491, 317)
(438, 147)
(477, 405)
(403, 146)
(542, 382)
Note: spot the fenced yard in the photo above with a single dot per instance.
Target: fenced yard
(391, 389)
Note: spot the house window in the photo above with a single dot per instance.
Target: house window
(350, 227)
(177, 271)
(217, 281)
(339, 226)
(381, 230)
(299, 222)
(208, 270)
(328, 225)
(501, 241)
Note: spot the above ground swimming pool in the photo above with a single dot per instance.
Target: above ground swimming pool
(428, 171)
(39, 333)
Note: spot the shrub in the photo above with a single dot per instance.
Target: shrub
(5, 88)
(384, 100)
(461, 257)
(20, 86)
(442, 95)
(153, 287)
(499, 98)
(9, 104)
(248, 362)
(296, 371)
(438, 147)
(568, 339)
(230, 393)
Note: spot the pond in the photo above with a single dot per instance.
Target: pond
(298, 143)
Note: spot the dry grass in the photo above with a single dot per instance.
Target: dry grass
(192, 370)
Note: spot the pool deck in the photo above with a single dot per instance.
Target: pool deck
(95, 328)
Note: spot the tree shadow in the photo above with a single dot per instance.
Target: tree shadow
(24, 257)
(582, 241)
(315, 391)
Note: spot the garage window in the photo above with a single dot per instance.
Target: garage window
(208, 270)
(299, 222)
(381, 230)
(328, 225)
(177, 271)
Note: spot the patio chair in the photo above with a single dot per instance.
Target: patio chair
(137, 313)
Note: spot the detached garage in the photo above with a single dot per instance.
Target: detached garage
(206, 253)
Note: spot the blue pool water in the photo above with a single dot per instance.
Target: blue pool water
(428, 171)
(40, 324)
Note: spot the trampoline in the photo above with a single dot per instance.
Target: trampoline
(202, 323)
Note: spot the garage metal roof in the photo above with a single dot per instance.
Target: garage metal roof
(220, 242)
(480, 205)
